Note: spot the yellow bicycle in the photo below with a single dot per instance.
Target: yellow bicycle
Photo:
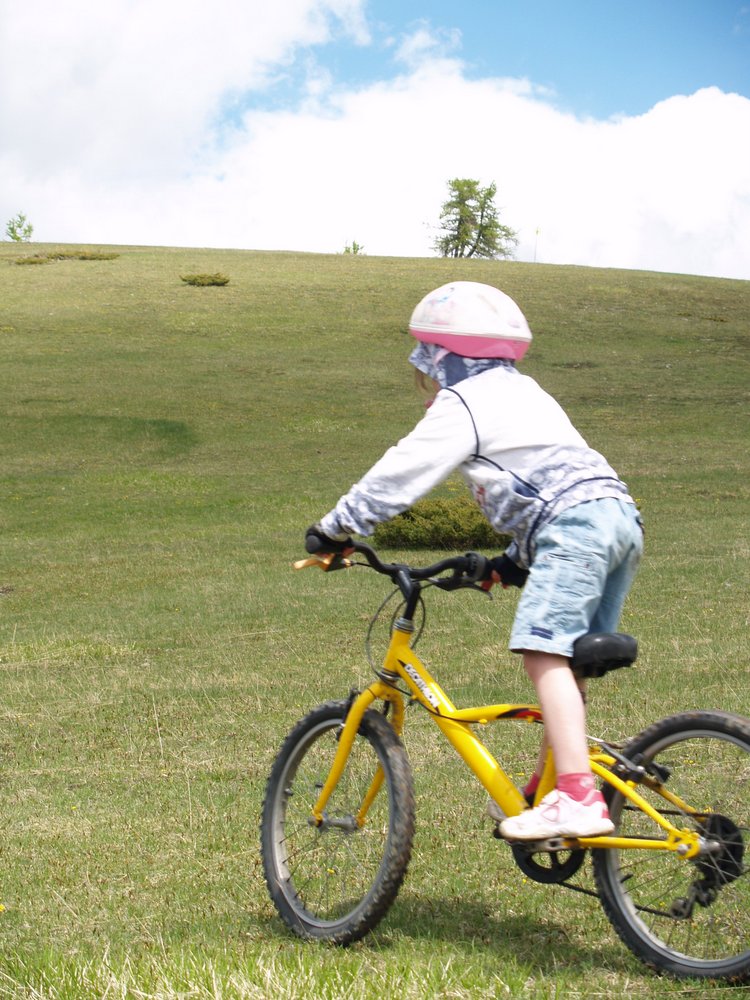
(338, 814)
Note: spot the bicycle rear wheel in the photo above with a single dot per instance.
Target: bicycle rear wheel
(336, 881)
(688, 918)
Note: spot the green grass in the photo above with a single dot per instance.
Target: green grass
(163, 449)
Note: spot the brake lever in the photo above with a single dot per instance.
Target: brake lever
(459, 582)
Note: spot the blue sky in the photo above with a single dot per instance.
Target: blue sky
(618, 133)
(597, 58)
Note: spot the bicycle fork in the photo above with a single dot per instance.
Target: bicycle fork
(360, 704)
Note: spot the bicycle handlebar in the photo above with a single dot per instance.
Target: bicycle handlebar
(470, 565)
(467, 570)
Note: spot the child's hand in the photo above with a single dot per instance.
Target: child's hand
(504, 571)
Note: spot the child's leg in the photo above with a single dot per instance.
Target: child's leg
(575, 808)
(563, 709)
(541, 761)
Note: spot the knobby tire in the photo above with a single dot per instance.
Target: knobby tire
(686, 917)
(335, 882)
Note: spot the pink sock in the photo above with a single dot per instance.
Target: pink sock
(576, 785)
(532, 785)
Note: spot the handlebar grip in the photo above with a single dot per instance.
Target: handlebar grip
(478, 567)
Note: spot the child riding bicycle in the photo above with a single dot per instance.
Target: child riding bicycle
(576, 533)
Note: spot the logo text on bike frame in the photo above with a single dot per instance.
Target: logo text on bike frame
(422, 685)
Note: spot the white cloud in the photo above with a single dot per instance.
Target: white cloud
(129, 87)
(426, 43)
(111, 141)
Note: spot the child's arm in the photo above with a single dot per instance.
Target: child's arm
(440, 442)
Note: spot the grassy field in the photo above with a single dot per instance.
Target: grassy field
(163, 448)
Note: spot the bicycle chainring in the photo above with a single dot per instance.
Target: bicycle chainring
(548, 867)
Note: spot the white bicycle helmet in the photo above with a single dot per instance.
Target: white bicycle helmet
(473, 320)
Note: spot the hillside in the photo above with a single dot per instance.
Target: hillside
(163, 448)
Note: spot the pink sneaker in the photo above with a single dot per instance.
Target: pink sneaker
(559, 815)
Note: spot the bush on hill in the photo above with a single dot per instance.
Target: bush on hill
(440, 523)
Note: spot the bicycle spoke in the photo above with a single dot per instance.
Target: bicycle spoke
(690, 916)
(336, 879)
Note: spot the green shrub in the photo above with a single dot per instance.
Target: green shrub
(83, 255)
(205, 279)
(440, 523)
(44, 258)
(37, 258)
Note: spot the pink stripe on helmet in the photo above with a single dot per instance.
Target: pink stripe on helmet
(473, 346)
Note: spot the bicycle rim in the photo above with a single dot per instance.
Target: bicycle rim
(337, 881)
(686, 917)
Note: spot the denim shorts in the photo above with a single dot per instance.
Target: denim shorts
(584, 563)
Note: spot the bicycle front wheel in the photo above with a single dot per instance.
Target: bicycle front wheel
(686, 917)
(335, 881)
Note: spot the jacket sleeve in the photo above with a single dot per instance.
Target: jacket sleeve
(441, 441)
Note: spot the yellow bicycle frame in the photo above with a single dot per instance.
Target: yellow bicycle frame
(402, 663)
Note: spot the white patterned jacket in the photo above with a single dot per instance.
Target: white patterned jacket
(520, 455)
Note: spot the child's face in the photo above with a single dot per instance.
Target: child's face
(427, 387)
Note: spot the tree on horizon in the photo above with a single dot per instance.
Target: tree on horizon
(470, 225)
